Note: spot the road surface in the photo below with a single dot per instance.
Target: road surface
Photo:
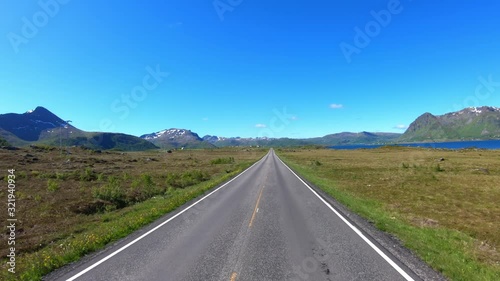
(266, 224)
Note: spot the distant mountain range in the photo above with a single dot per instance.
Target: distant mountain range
(41, 126)
(347, 138)
(176, 138)
(473, 123)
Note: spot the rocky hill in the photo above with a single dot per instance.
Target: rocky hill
(473, 123)
(40, 126)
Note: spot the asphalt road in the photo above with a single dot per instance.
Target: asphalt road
(266, 224)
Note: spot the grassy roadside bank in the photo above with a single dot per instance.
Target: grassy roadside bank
(112, 195)
(441, 204)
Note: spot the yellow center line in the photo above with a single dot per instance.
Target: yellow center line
(256, 207)
(233, 276)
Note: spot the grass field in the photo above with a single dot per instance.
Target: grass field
(442, 204)
(70, 204)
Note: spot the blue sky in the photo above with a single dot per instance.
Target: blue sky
(248, 68)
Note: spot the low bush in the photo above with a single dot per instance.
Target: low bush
(52, 185)
(88, 175)
(182, 180)
(112, 191)
(228, 160)
(143, 188)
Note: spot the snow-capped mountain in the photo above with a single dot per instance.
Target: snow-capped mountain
(176, 138)
(170, 134)
(466, 124)
(213, 139)
(475, 110)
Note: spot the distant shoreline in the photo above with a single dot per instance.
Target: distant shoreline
(481, 144)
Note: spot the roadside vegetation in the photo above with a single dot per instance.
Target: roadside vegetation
(75, 202)
(442, 204)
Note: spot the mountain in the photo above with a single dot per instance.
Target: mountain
(44, 127)
(467, 124)
(41, 126)
(328, 140)
(212, 139)
(264, 141)
(3, 142)
(177, 138)
(347, 138)
(30, 125)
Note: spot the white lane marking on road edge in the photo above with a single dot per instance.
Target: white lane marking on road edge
(158, 226)
(355, 229)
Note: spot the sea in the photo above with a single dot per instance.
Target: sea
(485, 144)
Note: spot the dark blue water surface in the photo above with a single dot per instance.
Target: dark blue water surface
(487, 144)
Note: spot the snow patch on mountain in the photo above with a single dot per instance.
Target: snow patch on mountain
(170, 133)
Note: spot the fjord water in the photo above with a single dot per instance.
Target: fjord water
(486, 144)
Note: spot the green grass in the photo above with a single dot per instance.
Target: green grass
(227, 160)
(358, 180)
(52, 185)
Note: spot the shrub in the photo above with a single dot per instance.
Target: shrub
(187, 178)
(142, 188)
(438, 168)
(88, 175)
(101, 177)
(316, 163)
(228, 160)
(47, 176)
(112, 192)
(173, 180)
(22, 175)
(61, 176)
(52, 185)
(171, 191)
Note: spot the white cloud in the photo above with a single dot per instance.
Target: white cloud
(294, 118)
(260, 126)
(336, 106)
(204, 118)
(401, 127)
